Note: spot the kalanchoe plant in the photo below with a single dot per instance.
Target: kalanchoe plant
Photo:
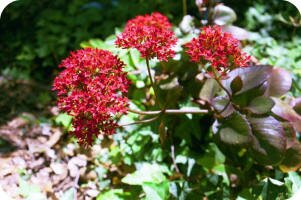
(244, 99)
(92, 88)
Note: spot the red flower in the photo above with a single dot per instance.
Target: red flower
(151, 35)
(91, 88)
(219, 48)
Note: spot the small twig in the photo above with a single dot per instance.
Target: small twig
(169, 111)
(220, 84)
(152, 82)
(141, 121)
(173, 158)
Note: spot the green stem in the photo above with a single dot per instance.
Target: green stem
(152, 82)
(220, 84)
(184, 8)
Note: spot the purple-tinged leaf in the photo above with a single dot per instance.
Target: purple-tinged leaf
(287, 113)
(269, 144)
(209, 89)
(261, 105)
(279, 83)
(251, 77)
(233, 130)
(236, 84)
(222, 105)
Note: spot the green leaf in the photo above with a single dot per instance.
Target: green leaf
(212, 157)
(279, 83)
(4, 4)
(296, 3)
(269, 144)
(146, 173)
(155, 191)
(245, 98)
(261, 105)
(63, 119)
(113, 194)
(236, 84)
(69, 194)
(295, 179)
(292, 157)
(234, 130)
(209, 90)
(272, 189)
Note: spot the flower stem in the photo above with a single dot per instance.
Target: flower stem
(169, 112)
(152, 82)
(221, 85)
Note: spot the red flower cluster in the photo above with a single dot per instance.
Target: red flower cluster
(91, 88)
(151, 35)
(219, 48)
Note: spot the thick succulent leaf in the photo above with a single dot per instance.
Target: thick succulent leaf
(269, 142)
(251, 77)
(286, 112)
(236, 84)
(220, 103)
(292, 158)
(244, 99)
(279, 83)
(209, 90)
(233, 130)
(237, 32)
(261, 105)
(223, 15)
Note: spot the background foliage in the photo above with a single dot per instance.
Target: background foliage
(175, 157)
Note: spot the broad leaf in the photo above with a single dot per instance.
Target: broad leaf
(155, 191)
(251, 76)
(245, 98)
(261, 105)
(279, 83)
(269, 144)
(237, 32)
(271, 189)
(223, 15)
(234, 130)
(286, 112)
(113, 194)
(221, 104)
(3, 4)
(236, 84)
(292, 159)
(146, 173)
(209, 90)
(296, 3)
